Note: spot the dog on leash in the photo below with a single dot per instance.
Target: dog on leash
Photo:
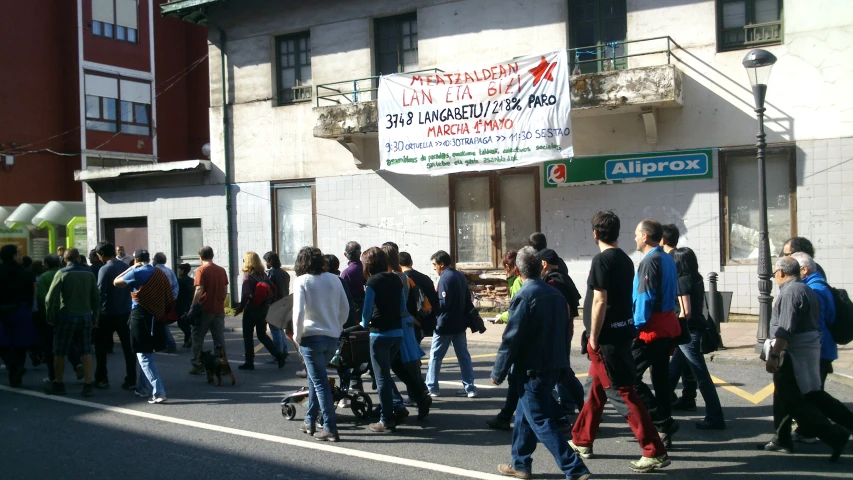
(216, 364)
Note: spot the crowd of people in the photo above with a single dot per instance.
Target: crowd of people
(651, 318)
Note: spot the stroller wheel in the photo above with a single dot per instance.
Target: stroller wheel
(361, 405)
(288, 411)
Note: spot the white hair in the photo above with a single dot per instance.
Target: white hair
(805, 260)
(528, 262)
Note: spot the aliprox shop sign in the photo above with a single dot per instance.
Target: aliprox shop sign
(633, 168)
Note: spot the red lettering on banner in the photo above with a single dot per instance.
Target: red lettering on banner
(439, 80)
(416, 78)
(416, 97)
(468, 78)
(513, 69)
(461, 93)
(448, 130)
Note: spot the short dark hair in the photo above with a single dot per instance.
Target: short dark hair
(393, 254)
(653, 229)
(442, 257)
(606, 224)
(332, 262)
(528, 262)
(105, 249)
(309, 260)
(272, 259)
(374, 261)
(72, 255)
(51, 261)
(801, 244)
(184, 268)
(144, 255)
(352, 251)
(26, 262)
(537, 240)
(8, 252)
(670, 235)
(405, 259)
(206, 253)
(686, 263)
(160, 258)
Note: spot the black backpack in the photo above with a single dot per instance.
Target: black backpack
(842, 329)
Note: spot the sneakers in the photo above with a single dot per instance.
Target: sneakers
(797, 437)
(498, 424)
(344, 403)
(434, 394)
(463, 393)
(54, 388)
(326, 436)
(309, 429)
(400, 416)
(102, 384)
(583, 452)
(302, 373)
(380, 427)
(647, 464)
(87, 390)
(423, 408)
(140, 394)
(247, 366)
(154, 400)
(772, 446)
(197, 370)
(79, 371)
(507, 470)
(684, 405)
(668, 431)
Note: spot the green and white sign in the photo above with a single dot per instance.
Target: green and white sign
(632, 168)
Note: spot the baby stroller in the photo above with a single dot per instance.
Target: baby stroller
(353, 351)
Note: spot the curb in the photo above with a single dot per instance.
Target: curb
(842, 378)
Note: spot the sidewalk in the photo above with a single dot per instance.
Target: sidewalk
(738, 338)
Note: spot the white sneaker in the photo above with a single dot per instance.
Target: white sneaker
(433, 394)
(156, 400)
(344, 403)
(463, 393)
(798, 437)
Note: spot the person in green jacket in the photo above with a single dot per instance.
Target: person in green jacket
(513, 279)
(52, 263)
(73, 307)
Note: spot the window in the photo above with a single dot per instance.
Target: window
(294, 219)
(598, 22)
(492, 213)
(115, 19)
(396, 44)
(117, 103)
(294, 68)
(747, 23)
(186, 241)
(739, 201)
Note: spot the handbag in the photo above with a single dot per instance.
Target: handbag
(710, 341)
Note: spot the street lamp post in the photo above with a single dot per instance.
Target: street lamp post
(758, 64)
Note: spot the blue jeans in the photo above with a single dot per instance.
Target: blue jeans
(534, 421)
(170, 340)
(690, 356)
(570, 391)
(278, 338)
(318, 350)
(382, 351)
(147, 377)
(440, 344)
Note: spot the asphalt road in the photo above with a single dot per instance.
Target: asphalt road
(205, 431)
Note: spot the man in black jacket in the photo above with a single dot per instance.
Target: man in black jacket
(535, 346)
(426, 316)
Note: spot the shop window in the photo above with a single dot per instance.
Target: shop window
(294, 68)
(186, 242)
(295, 214)
(492, 213)
(739, 201)
(114, 104)
(396, 44)
(744, 24)
(117, 19)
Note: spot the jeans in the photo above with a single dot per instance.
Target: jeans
(654, 356)
(410, 375)
(690, 356)
(278, 338)
(382, 350)
(534, 421)
(318, 350)
(570, 391)
(148, 378)
(170, 340)
(215, 322)
(255, 319)
(440, 344)
(511, 403)
(107, 324)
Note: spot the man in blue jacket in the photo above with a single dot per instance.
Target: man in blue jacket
(453, 298)
(535, 344)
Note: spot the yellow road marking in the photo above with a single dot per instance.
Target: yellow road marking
(755, 398)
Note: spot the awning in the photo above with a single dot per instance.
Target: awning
(59, 213)
(23, 215)
(5, 212)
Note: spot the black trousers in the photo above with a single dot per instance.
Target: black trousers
(410, 375)
(15, 358)
(255, 318)
(828, 405)
(104, 339)
(654, 356)
(789, 403)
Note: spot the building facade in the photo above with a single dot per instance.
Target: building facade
(294, 127)
(95, 84)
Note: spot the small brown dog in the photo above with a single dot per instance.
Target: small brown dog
(216, 363)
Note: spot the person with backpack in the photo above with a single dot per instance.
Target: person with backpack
(257, 294)
(281, 280)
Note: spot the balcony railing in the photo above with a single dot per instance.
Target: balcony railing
(354, 91)
(606, 57)
(297, 94)
(762, 33)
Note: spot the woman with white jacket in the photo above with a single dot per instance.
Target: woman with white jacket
(320, 309)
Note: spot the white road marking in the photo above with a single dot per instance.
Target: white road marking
(313, 445)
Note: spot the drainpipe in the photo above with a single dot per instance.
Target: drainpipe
(229, 174)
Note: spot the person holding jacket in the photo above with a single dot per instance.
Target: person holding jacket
(654, 293)
(320, 309)
(255, 318)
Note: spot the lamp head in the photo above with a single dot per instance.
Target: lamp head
(758, 64)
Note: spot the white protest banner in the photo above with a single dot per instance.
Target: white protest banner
(504, 115)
